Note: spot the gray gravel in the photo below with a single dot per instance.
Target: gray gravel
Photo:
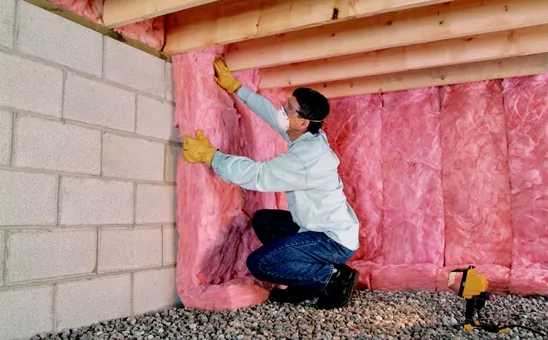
(370, 315)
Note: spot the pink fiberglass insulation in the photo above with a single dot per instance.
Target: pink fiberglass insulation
(426, 182)
(213, 226)
(90, 9)
(527, 119)
(354, 132)
(527, 127)
(150, 32)
(413, 230)
(531, 280)
(405, 277)
(476, 191)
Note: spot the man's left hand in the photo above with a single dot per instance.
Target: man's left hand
(198, 150)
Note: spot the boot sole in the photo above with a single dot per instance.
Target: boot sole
(355, 279)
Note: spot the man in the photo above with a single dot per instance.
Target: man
(305, 248)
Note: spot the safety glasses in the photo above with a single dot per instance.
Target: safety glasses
(299, 113)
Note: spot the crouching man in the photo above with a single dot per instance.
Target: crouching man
(305, 248)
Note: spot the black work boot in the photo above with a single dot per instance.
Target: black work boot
(291, 295)
(339, 289)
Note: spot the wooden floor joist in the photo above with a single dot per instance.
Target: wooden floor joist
(231, 21)
(505, 44)
(446, 75)
(447, 21)
(122, 12)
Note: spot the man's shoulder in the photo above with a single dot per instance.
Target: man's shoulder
(310, 143)
(314, 148)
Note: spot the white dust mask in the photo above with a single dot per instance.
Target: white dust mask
(281, 119)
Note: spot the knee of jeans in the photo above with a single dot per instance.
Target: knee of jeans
(252, 263)
(258, 218)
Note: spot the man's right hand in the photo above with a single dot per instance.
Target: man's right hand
(224, 78)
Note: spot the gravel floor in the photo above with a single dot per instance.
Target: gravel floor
(370, 315)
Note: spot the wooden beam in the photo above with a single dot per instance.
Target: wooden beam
(65, 13)
(513, 43)
(122, 12)
(445, 75)
(237, 20)
(447, 21)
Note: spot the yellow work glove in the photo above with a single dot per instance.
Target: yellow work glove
(198, 150)
(224, 78)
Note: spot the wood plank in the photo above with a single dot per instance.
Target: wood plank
(505, 44)
(237, 20)
(440, 22)
(122, 12)
(445, 75)
(65, 13)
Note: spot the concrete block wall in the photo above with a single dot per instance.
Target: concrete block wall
(87, 176)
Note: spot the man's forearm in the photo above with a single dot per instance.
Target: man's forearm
(282, 173)
(262, 107)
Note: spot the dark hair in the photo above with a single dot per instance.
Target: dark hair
(313, 105)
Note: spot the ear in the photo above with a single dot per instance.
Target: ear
(303, 124)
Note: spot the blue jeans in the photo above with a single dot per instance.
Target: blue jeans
(293, 259)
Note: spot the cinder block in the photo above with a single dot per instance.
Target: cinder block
(81, 303)
(172, 157)
(170, 245)
(44, 254)
(31, 86)
(154, 290)
(169, 82)
(98, 103)
(134, 68)
(132, 158)
(155, 204)
(2, 247)
(95, 201)
(25, 312)
(45, 144)
(129, 248)
(27, 198)
(156, 119)
(5, 136)
(7, 22)
(39, 34)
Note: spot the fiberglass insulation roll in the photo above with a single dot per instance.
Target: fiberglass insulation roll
(476, 191)
(526, 103)
(214, 228)
(413, 223)
(413, 207)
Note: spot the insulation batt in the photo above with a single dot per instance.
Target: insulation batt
(413, 231)
(527, 128)
(150, 31)
(405, 277)
(476, 191)
(215, 236)
(354, 131)
(219, 224)
(90, 9)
